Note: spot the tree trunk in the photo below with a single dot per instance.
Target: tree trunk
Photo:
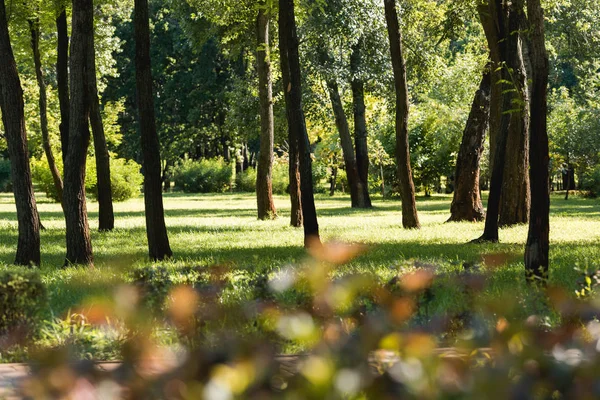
(13, 118)
(106, 216)
(356, 186)
(264, 171)
(360, 122)
(62, 78)
(34, 30)
(156, 230)
(537, 248)
(296, 122)
(466, 204)
(410, 219)
(79, 244)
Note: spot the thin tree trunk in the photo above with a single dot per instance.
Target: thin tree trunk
(356, 186)
(296, 122)
(264, 172)
(156, 230)
(34, 30)
(466, 204)
(62, 78)
(537, 248)
(13, 118)
(360, 122)
(410, 219)
(79, 244)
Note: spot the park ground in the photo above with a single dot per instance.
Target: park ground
(222, 229)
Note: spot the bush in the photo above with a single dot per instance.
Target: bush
(5, 179)
(125, 178)
(246, 181)
(22, 299)
(281, 177)
(204, 176)
(591, 183)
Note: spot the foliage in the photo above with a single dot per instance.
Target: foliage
(5, 177)
(204, 176)
(591, 182)
(246, 181)
(22, 300)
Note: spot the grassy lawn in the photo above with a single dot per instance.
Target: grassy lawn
(223, 229)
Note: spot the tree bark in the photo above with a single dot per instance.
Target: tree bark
(156, 230)
(62, 78)
(106, 216)
(410, 219)
(537, 248)
(466, 204)
(296, 122)
(79, 244)
(264, 171)
(13, 118)
(356, 186)
(360, 122)
(34, 30)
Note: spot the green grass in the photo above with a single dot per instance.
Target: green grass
(223, 229)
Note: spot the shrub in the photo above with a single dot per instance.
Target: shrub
(5, 179)
(204, 176)
(281, 176)
(22, 299)
(246, 181)
(591, 183)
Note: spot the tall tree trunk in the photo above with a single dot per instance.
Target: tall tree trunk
(62, 77)
(106, 216)
(79, 243)
(34, 30)
(514, 206)
(264, 172)
(466, 204)
(537, 248)
(356, 186)
(360, 122)
(13, 118)
(296, 122)
(156, 230)
(410, 219)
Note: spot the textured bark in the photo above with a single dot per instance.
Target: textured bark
(296, 122)
(515, 199)
(13, 118)
(106, 216)
(264, 171)
(356, 186)
(537, 248)
(79, 244)
(466, 204)
(360, 122)
(156, 230)
(410, 218)
(62, 78)
(34, 30)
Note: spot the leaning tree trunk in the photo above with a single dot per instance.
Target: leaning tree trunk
(466, 204)
(79, 243)
(264, 171)
(106, 216)
(62, 78)
(410, 218)
(34, 29)
(537, 248)
(296, 122)
(156, 230)
(13, 117)
(356, 186)
(360, 122)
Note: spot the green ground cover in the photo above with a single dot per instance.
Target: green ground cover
(210, 230)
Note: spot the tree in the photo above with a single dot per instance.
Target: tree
(295, 114)
(466, 204)
(264, 186)
(13, 118)
(410, 219)
(537, 248)
(79, 243)
(156, 230)
(62, 73)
